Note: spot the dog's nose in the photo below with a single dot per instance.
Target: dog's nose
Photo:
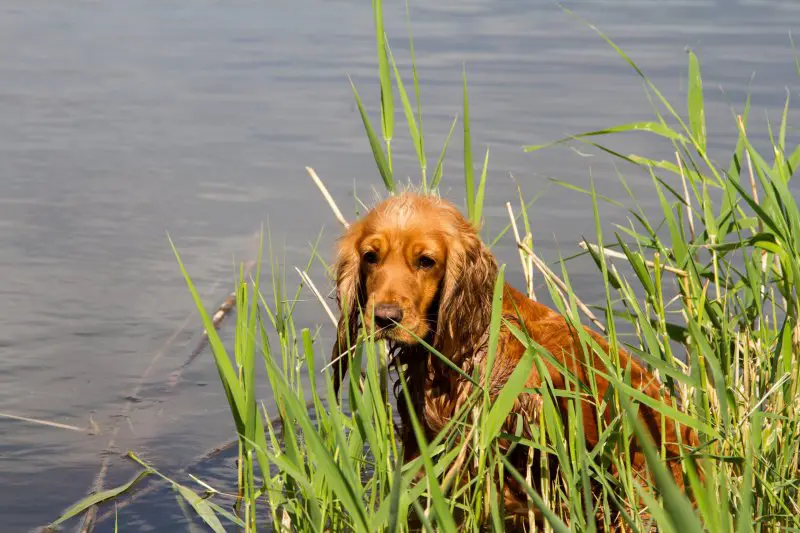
(387, 315)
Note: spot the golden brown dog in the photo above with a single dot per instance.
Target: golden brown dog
(414, 267)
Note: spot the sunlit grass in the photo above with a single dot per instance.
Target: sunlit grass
(708, 284)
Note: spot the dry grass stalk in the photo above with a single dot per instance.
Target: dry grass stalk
(527, 264)
(561, 286)
(44, 422)
(328, 197)
(456, 466)
(754, 190)
(307, 280)
(686, 197)
(618, 255)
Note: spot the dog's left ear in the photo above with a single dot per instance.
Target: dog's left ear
(465, 306)
(349, 298)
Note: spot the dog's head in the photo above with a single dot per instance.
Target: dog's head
(414, 268)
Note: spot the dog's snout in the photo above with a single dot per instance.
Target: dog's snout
(387, 315)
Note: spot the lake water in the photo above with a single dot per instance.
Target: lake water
(121, 122)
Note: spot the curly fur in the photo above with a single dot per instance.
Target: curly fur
(450, 305)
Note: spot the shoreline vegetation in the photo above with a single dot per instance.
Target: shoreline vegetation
(708, 285)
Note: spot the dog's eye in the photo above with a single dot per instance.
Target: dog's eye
(371, 257)
(426, 262)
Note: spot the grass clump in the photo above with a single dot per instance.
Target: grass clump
(708, 286)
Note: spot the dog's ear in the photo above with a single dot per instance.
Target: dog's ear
(349, 299)
(465, 306)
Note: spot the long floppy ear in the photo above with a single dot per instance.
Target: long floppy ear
(465, 306)
(349, 298)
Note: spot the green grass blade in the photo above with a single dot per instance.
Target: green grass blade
(416, 87)
(377, 150)
(625, 57)
(662, 408)
(496, 318)
(762, 214)
(387, 93)
(447, 362)
(423, 517)
(583, 190)
(99, 497)
(679, 246)
(784, 119)
(737, 161)
(678, 506)
(413, 131)
(202, 508)
(336, 478)
(508, 396)
(443, 516)
(224, 513)
(745, 524)
(697, 116)
(394, 496)
(481, 189)
(417, 99)
(552, 519)
(439, 170)
(227, 374)
(469, 171)
(249, 366)
(522, 215)
(657, 128)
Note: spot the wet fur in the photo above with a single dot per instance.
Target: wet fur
(461, 312)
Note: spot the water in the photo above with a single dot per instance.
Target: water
(125, 121)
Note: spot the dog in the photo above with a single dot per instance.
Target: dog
(413, 268)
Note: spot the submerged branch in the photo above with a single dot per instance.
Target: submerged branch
(45, 423)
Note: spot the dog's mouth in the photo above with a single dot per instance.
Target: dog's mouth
(402, 326)
(402, 333)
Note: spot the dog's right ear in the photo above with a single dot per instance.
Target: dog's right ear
(349, 298)
(465, 308)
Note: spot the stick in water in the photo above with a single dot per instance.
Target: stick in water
(43, 422)
(223, 311)
(87, 523)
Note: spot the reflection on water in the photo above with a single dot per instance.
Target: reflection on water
(122, 121)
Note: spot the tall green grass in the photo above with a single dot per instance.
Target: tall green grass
(708, 285)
